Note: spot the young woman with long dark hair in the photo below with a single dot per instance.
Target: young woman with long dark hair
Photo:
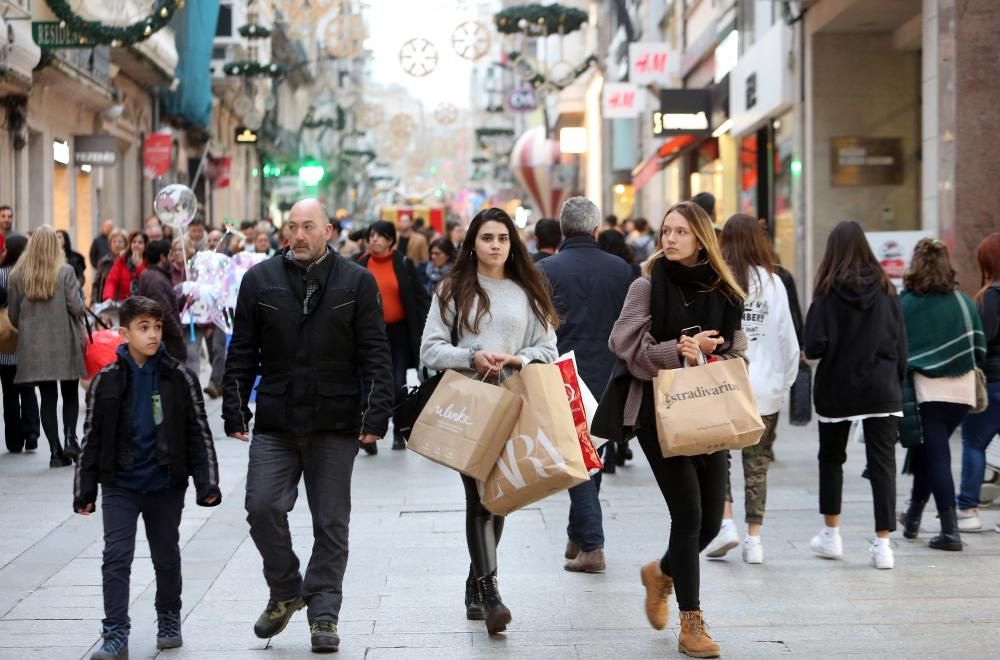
(123, 280)
(73, 258)
(774, 364)
(499, 305)
(945, 340)
(686, 303)
(855, 329)
(979, 429)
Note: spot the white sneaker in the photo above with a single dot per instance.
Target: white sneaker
(969, 522)
(724, 541)
(753, 551)
(828, 546)
(882, 556)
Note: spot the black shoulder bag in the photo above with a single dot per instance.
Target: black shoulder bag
(414, 398)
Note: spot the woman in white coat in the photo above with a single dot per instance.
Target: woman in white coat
(773, 355)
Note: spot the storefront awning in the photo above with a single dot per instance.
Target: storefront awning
(663, 156)
(195, 32)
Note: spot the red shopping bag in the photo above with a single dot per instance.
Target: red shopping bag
(102, 350)
(567, 367)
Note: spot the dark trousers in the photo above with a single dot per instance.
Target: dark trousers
(217, 355)
(931, 461)
(50, 389)
(880, 442)
(482, 531)
(694, 488)
(402, 356)
(277, 463)
(978, 430)
(161, 514)
(586, 523)
(20, 410)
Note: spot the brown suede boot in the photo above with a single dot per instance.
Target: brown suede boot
(658, 590)
(572, 550)
(694, 639)
(588, 561)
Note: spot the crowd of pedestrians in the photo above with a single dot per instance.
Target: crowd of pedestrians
(335, 318)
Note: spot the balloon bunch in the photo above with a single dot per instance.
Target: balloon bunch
(213, 285)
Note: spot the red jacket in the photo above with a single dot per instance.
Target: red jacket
(119, 283)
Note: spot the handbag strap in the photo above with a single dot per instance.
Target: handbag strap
(969, 330)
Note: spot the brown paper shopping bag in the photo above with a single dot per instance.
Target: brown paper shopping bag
(543, 453)
(465, 424)
(704, 409)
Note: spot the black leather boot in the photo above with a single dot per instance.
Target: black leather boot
(949, 538)
(497, 614)
(911, 518)
(474, 610)
(72, 450)
(57, 458)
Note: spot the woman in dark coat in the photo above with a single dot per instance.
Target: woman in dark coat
(405, 303)
(74, 259)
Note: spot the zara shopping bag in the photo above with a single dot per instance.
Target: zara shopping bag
(705, 409)
(542, 455)
(465, 424)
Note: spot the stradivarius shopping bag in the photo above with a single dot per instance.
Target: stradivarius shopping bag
(705, 409)
(465, 424)
(542, 455)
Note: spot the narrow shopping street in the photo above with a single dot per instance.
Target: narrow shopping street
(403, 589)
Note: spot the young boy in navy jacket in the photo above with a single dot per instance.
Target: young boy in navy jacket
(145, 433)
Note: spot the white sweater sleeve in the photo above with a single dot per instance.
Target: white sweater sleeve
(436, 349)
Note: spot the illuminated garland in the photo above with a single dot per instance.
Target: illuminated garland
(116, 36)
(539, 19)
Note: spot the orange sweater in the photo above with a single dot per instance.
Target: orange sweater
(388, 286)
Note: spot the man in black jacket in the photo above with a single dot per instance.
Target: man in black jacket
(155, 283)
(588, 290)
(310, 323)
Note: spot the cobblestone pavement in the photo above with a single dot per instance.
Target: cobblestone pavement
(403, 591)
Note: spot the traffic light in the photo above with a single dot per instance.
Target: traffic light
(311, 172)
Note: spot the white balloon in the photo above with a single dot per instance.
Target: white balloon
(175, 205)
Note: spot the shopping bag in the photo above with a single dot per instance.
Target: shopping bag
(705, 409)
(800, 398)
(101, 350)
(465, 424)
(574, 393)
(542, 455)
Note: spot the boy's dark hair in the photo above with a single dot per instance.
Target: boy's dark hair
(385, 229)
(418, 223)
(248, 224)
(155, 251)
(137, 306)
(706, 201)
(198, 220)
(547, 234)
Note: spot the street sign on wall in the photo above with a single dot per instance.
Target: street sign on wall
(55, 34)
(95, 150)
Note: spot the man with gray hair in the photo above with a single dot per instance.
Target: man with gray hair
(588, 290)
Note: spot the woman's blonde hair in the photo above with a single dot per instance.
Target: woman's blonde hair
(118, 232)
(38, 268)
(704, 233)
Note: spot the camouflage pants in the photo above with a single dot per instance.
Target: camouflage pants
(756, 460)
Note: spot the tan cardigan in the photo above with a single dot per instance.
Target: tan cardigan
(643, 356)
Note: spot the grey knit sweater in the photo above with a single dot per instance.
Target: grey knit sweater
(510, 327)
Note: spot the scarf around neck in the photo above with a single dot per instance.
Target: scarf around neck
(685, 296)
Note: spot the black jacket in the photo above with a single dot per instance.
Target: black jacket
(588, 290)
(416, 301)
(989, 311)
(793, 301)
(184, 443)
(155, 283)
(324, 369)
(857, 334)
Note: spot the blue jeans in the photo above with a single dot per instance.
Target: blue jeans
(586, 525)
(161, 513)
(931, 461)
(978, 430)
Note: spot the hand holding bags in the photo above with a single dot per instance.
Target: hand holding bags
(465, 424)
(705, 409)
(543, 453)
